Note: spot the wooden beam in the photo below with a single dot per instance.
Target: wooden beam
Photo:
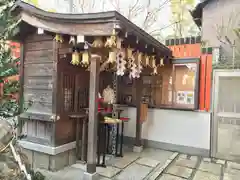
(21, 99)
(139, 87)
(93, 121)
(89, 29)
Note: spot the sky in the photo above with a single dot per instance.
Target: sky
(162, 22)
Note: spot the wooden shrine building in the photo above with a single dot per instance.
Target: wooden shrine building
(62, 56)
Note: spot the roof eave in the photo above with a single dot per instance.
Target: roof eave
(90, 18)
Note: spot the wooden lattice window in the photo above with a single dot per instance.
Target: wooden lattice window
(68, 92)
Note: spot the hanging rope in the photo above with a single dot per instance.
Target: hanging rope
(114, 128)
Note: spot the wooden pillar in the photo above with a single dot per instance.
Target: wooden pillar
(21, 88)
(138, 139)
(93, 121)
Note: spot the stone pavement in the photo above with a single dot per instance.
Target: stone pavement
(155, 164)
(198, 168)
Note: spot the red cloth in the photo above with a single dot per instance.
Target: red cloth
(99, 100)
(124, 119)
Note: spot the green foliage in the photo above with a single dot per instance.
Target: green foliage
(11, 87)
(9, 106)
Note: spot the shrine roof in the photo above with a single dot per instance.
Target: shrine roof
(73, 24)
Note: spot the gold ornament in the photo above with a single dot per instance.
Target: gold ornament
(147, 60)
(140, 56)
(129, 52)
(85, 58)
(154, 66)
(153, 62)
(75, 58)
(119, 43)
(111, 42)
(144, 60)
(161, 62)
(112, 57)
(98, 42)
(58, 38)
(155, 71)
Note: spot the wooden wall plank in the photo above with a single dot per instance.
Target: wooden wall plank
(38, 56)
(45, 69)
(37, 46)
(38, 37)
(43, 83)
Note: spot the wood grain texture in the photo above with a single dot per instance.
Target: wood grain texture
(38, 71)
(94, 29)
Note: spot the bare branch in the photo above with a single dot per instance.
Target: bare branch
(134, 10)
(152, 14)
(115, 4)
(81, 4)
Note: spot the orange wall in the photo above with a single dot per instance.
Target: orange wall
(194, 51)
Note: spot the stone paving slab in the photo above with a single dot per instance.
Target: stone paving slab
(68, 173)
(156, 154)
(207, 160)
(219, 161)
(233, 165)
(104, 178)
(179, 171)
(80, 166)
(170, 177)
(123, 162)
(108, 172)
(232, 171)
(148, 162)
(173, 156)
(200, 175)
(190, 163)
(134, 172)
(194, 158)
(158, 170)
(183, 156)
(155, 174)
(227, 176)
(210, 167)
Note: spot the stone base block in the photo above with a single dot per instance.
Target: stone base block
(50, 162)
(137, 149)
(88, 176)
